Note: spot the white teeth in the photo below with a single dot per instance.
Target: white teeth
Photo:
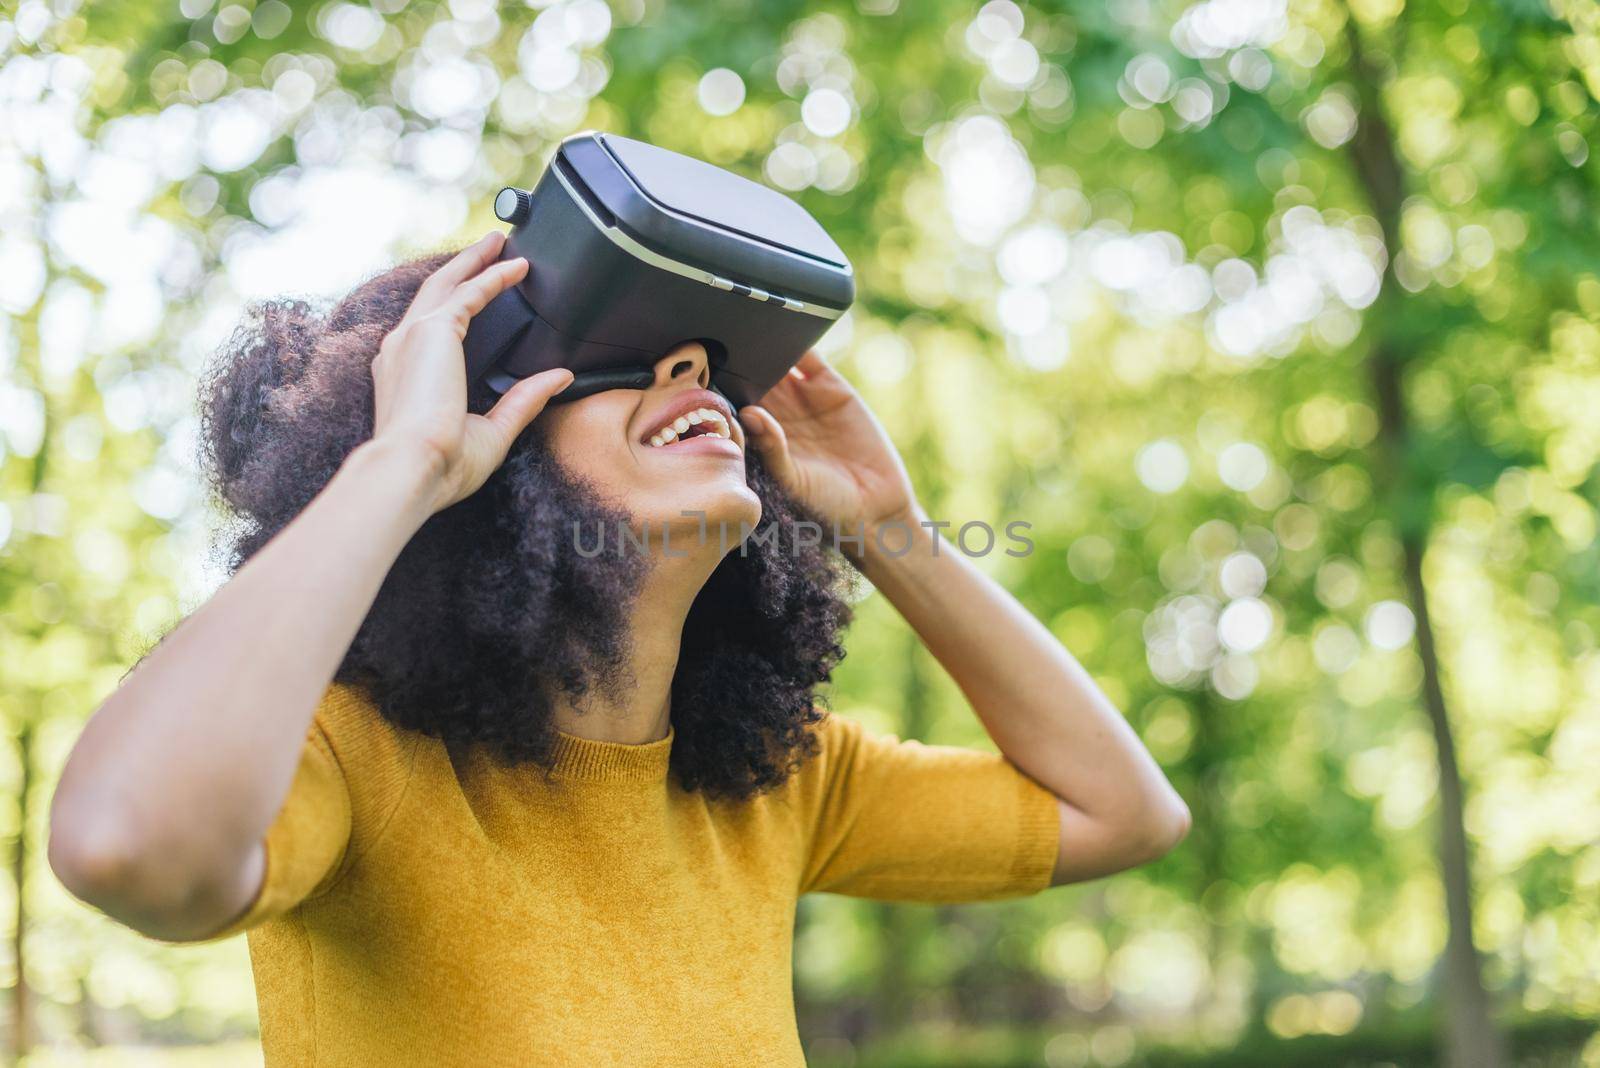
(716, 424)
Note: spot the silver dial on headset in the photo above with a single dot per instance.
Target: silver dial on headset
(513, 205)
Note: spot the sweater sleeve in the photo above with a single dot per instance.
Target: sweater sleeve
(352, 769)
(901, 820)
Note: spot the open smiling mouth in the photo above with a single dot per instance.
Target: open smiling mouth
(700, 423)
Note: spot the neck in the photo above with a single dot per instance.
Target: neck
(640, 711)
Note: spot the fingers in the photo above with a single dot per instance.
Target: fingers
(464, 265)
(812, 363)
(813, 385)
(521, 403)
(472, 296)
(763, 431)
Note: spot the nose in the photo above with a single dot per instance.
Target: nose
(689, 362)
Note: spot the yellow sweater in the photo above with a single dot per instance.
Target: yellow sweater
(421, 908)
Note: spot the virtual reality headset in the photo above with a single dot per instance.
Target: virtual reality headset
(633, 250)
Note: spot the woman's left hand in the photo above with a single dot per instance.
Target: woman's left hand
(826, 448)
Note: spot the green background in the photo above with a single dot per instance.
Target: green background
(1276, 319)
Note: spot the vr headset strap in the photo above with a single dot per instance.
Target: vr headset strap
(588, 383)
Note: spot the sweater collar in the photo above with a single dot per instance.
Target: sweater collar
(590, 760)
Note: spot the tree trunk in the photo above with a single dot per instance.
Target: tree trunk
(897, 927)
(1470, 1037)
(1208, 842)
(21, 999)
(21, 996)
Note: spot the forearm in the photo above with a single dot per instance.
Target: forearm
(1043, 710)
(166, 796)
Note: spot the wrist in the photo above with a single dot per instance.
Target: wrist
(411, 476)
(910, 514)
(899, 538)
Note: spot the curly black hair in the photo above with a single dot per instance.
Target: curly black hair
(488, 613)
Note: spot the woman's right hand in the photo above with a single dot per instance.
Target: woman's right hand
(420, 378)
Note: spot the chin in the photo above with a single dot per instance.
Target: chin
(731, 508)
(724, 508)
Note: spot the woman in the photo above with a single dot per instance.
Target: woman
(481, 797)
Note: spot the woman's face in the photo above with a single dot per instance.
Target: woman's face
(674, 448)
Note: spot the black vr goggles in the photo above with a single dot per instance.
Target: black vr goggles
(633, 250)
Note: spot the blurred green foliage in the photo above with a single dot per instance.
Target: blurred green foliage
(1246, 306)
